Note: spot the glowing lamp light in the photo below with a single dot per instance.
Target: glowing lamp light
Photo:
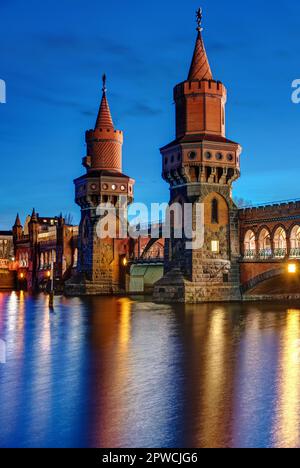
(48, 274)
(292, 268)
(215, 246)
(21, 275)
(125, 261)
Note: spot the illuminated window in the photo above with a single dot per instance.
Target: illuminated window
(215, 246)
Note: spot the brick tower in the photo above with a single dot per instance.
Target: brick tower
(200, 167)
(101, 261)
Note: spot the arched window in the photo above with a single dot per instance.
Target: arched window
(214, 211)
(280, 245)
(264, 242)
(250, 244)
(295, 242)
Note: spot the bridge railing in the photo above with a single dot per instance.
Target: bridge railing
(269, 254)
(295, 253)
(280, 253)
(265, 254)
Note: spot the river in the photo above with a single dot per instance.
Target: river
(120, 372)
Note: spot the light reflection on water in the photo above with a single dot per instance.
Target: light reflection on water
(109, 372)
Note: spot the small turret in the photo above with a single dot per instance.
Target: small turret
(33, 227)
(17, 228)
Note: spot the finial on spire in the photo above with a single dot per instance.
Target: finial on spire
(104, 89)
(200, 69)
(199, 17)
(104, 119)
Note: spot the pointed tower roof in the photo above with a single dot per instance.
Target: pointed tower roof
(17, 222)
(200, 69)
(104, 119)
(33, 216)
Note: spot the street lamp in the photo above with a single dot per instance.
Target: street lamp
(292, 268)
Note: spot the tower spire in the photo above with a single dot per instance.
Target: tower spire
(17, 222)
(34, 218)
(200, 69)
(104, 119)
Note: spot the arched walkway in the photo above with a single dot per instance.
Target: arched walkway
(264, 244)
(249, 245)
(295, 242)
(280, 243)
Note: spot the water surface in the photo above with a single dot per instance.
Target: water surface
(115, 372)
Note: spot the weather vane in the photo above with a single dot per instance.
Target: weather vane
(104, 83)
(199, 17)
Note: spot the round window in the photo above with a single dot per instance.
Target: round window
(208, 155)
(192, 155)
(229, 157)
(219, 156)
(123, 188)
(105, 187)
(93, 186)
(114, 187)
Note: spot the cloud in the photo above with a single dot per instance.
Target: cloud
(55, 102)
(73, 43)
(142, 109)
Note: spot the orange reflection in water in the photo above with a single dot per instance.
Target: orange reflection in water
(216, 382)
(287, 422)
(111, 332)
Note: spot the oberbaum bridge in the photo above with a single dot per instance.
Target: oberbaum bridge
(250, 254)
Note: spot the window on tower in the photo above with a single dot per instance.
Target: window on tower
(192, 155)
(215, 246)
(215, 211)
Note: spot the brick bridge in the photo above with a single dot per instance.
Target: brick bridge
(269, 239)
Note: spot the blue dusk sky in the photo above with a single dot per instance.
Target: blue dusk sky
(53, 54)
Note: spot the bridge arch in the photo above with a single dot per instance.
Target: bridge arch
(258, 279)
(154, 249)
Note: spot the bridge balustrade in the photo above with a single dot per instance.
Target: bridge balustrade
(280, 253)
(250, 254)
(265, 254)
(295, 253)
(268, 254)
